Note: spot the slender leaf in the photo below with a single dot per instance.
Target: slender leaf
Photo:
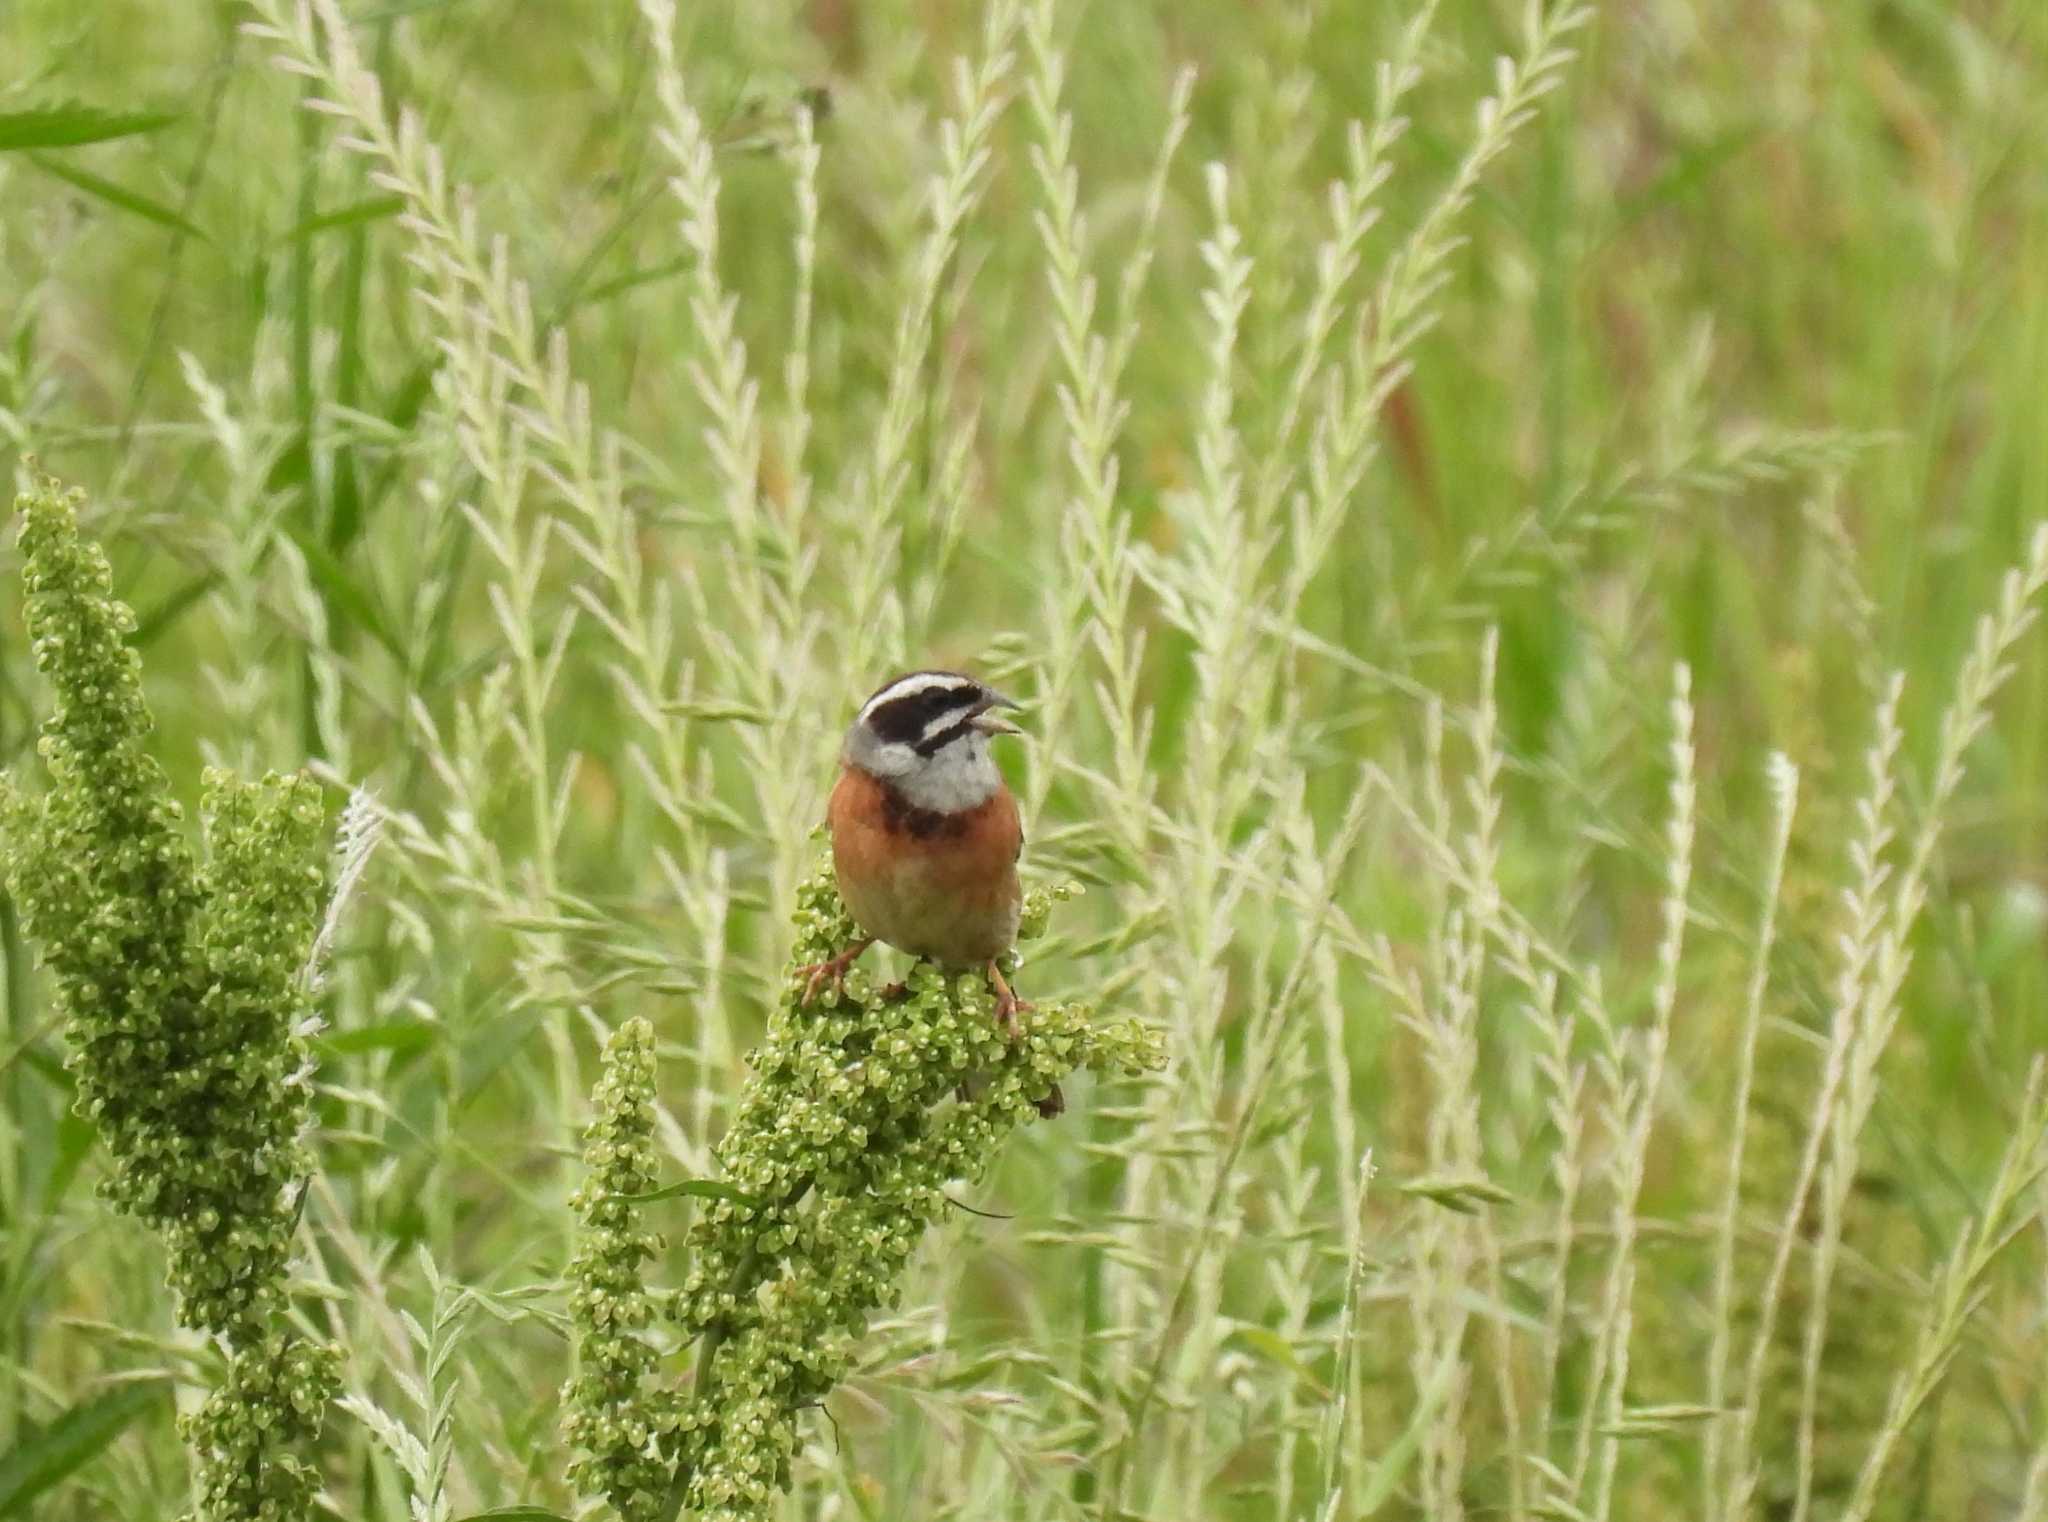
(372, 209)
(1269, 1345)
(345, 594)
(69, 124)
(403, 1036)
(118, 196)
(618, 285)
(51, 1453)
(151, 625)
(75, 1136)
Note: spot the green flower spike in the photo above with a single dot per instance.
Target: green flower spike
(183, 991)
(849, 1130)
(609, 1419)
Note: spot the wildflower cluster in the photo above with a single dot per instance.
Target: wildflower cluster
(183, 993)
(862, 1107)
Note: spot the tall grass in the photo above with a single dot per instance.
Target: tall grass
(1518, 530)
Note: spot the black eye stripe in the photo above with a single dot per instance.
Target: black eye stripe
(904, 720)
(943, 738)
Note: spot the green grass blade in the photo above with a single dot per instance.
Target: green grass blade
(67, 1444)
(355, 214)
(120, 197)
(70, 124)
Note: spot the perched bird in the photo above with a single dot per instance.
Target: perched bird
(925, 833)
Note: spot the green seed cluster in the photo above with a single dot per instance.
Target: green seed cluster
(860, 1111)
(245, 1434)
(181, 985)
(610, 1421)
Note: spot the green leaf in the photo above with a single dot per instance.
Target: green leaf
(1384, 1478)
(516, 1514)
(151, 625)
(697, 1188)
(43, 1457)
(713, 711)
(632, 280)
(41, 1062)
(405, 1036)
(118, 196)
(1270, 1346)
(293, 466)
(373, 209)
(345, 594)
(69, 124)
(1465, 1194)
(75, 1136)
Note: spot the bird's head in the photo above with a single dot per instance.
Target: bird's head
(926, 734)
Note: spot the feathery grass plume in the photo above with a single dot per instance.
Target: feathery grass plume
(182, 985)
(254, 717)
(1088, 607)
(2033, 1506)
(1207, 590)
(1234, 558)
(523, 421)
(861, 1109)
(1444, 1251)
(1635, 1100)
(2011, 1207)
(1784, 785)
(1883, 907)
(756, 614)
(1337, 455)
(1876, 1005)
(1864, 908)
(870, 519)
(1483, 795)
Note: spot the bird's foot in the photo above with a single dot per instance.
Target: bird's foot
(832, 970)
(1008, 1005)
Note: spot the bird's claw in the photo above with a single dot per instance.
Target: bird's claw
(1008, 1005)
(832, 970)
(1008, 1008)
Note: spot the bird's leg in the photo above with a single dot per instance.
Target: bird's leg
(1008, 1005)
(832, 970)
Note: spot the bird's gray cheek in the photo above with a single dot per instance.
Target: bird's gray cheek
(893, 761)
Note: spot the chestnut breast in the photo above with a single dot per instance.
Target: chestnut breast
(937, 885)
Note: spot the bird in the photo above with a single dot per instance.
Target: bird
(926, 835)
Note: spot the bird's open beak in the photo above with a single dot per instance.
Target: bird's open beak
(990, 723)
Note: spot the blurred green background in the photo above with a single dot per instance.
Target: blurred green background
(1741, 361)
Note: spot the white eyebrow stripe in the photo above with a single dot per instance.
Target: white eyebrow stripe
(910, 686)
(953, 718)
